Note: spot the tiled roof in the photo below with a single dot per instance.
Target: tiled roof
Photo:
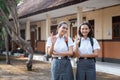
(31, 6)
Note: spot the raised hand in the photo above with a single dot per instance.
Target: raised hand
(53, 38)
(77, 39)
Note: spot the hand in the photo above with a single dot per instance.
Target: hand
(77, 39)
(53, 38)
(54, 52)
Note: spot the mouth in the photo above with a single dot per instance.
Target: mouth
(84, 33)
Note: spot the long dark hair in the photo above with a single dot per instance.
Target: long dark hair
(90, 34)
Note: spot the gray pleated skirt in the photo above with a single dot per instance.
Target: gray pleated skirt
(61, 69)
(86, 69)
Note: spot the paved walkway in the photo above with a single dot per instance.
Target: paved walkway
(41, 70)
(111, 68)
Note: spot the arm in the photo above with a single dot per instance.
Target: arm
(94, 54)
(50, 49)
(68, 53)
(76, 51)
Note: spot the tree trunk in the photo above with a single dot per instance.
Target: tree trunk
(12, 8)
(7, 51)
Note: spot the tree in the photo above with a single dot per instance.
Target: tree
(3, 32)
(4, 38)
(9, 7)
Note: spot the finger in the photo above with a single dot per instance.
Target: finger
(51, 35)
(75, 36)
(78, 36)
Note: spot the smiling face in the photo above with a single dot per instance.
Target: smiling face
(62, 30)
(85, 30)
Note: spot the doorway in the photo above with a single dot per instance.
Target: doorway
(33, 36)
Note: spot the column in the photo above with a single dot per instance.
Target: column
(27, 32)
(79, 16)
(47, 25)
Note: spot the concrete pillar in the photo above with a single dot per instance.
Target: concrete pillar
(27, 30)
(79, 16)
(37, 33)
(48, 21)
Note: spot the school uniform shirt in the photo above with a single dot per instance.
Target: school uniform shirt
(86, 47)
(60, 44)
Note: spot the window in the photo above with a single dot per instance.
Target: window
(39, 33)
(116, 27)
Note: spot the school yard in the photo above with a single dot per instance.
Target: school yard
(41, 71)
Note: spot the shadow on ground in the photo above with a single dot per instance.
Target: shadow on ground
(41, 71)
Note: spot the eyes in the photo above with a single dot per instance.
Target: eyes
(64, 28)
(84, 27)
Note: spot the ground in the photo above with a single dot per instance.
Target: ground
(41, 71)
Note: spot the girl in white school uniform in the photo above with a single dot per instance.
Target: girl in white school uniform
(60, 48)
(86, 48)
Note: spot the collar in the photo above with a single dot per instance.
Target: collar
(82, 38)
(59, 37)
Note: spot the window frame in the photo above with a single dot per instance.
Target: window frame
(115, 22)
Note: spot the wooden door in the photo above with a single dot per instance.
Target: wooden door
(33, 36)
(74, 32)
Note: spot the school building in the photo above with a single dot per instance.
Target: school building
(38, 18)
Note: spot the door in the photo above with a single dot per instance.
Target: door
(33, 36)
(74, 33)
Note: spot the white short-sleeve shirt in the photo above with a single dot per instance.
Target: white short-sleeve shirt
(86, 47)
(60, 44)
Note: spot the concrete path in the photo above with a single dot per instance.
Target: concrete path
(111, 68)
(41, 70)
